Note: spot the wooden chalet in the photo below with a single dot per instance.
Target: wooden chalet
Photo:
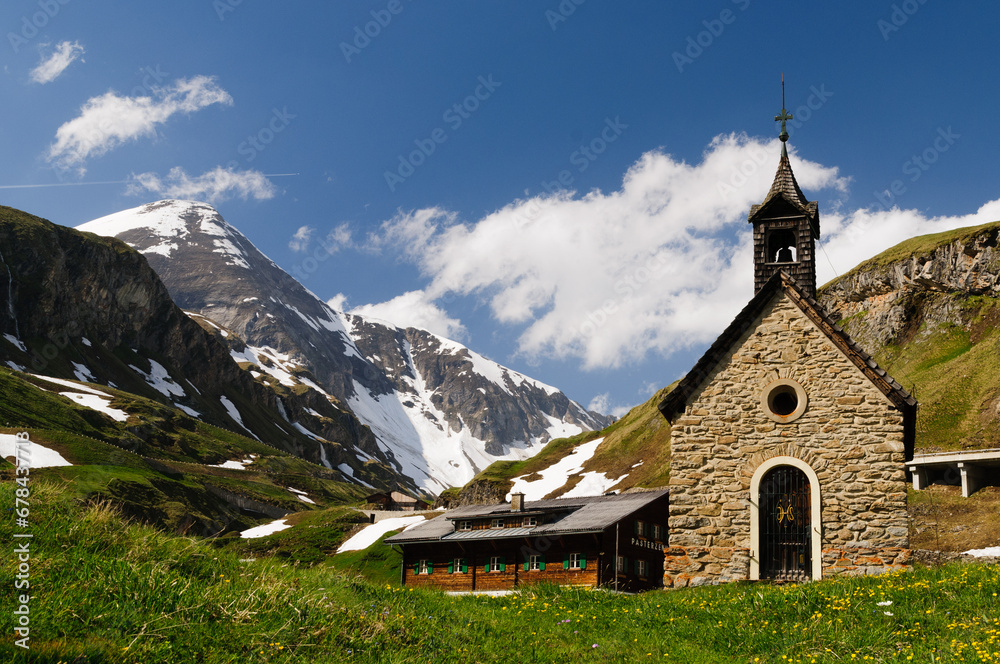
(396, 501)
(614, 542)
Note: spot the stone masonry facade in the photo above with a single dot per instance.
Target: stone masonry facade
(850, 434)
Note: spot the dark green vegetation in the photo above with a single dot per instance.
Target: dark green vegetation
(104, 591)
(158, 466)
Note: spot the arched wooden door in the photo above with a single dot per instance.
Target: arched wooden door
(785, 535)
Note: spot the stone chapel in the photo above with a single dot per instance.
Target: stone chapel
(788, 442)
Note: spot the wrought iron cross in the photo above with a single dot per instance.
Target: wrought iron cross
(785, 115)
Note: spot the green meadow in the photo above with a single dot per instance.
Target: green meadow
(107, 590)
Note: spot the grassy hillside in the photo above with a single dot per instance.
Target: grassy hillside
(943, 331)
(642, 435)
(104, 591)
(954, 371)
(159, 465)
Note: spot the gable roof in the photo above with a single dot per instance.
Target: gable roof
(591, 514)
(677, 400)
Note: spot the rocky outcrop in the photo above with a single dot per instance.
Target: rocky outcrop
(79, 306)
(887, 300)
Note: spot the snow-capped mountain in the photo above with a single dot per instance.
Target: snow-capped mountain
(439, 411)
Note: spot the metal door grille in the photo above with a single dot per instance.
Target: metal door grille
(785, 540)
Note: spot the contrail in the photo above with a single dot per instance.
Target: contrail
(59, 184)
(82, 184)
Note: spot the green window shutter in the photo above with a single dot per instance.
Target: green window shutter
(503, 564)
(451, 567)
(636, 567)
(416, 567)
(486, 566)
(465, 566)
(430, 567)
(635, 527)
(541, 563)
(527, 563)
(583, 563)
(566, 562)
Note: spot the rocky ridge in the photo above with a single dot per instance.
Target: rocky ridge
(439, 412)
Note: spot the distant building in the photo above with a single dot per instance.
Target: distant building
(788, 442)
(600, 541)
(397, 501)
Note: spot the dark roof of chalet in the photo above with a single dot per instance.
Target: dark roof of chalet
(676, 401)
(787, 188)
(592, 514)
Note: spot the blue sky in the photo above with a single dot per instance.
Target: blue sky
(563, 186)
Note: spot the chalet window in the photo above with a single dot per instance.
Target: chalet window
(535, 563)
(465, 525)
(496, 564)
(423, 566)
(642, 568)
(529, 521)
(496, 523)
(637, 528)
(622, 565)
(658, 533)
(575, 561)
(458, 566)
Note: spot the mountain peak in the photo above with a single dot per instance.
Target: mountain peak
(156, 228)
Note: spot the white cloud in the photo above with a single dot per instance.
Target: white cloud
(602, 404)
(107, 121)
(338, 302)
(659, 266)
(50, 68)
(300, 241)
(412, 309)
(216, 185)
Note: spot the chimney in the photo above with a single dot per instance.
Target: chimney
(517, 502)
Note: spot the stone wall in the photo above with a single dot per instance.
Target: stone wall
(849, 434)
(699, 566)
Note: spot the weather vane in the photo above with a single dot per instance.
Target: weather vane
(785, 115)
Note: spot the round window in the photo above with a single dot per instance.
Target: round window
(784, 400)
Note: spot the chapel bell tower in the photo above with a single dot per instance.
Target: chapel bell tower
(785, 225)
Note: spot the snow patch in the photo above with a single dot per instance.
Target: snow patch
(159, 379)
(73, 386)
(372, 533)
(984, 553)
(97, 403)
(17, 342)
(82, 373)
(266, 529)
(555, 475)
(38, 455)
(237, 465)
